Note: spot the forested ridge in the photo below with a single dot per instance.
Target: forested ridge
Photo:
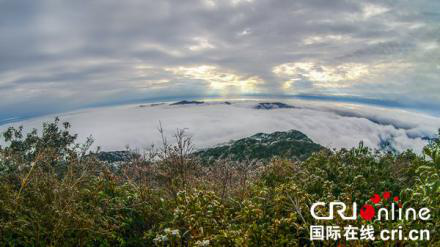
(55, 191)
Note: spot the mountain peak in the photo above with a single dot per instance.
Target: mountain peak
(290, 144)
(188, 102)
(272, 105)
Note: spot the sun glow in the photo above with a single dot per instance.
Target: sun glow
(321, 75)
(219, 79)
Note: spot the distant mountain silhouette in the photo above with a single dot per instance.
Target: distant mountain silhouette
(272, 105)
(187, 102)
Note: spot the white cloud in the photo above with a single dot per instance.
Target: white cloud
(201, 44)
(334, 125)
(316, 39)
(209, 3)
(323, 75)
(371, 10)
(236, 2)
(342, 75)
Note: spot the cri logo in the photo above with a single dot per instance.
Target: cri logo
(367, 211)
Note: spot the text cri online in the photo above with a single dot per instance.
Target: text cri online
(366, 232)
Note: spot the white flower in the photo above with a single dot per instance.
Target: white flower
(160, 239)
(175, 232)
(202, 243)
(157, 239)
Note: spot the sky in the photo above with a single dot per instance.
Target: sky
(60, 56)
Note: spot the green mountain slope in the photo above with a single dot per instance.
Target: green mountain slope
(291, 144)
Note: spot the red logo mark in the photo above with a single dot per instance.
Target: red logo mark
(367, 212)
(386, 195)
(375, 199)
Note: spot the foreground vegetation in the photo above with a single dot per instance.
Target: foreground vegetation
(56, 192)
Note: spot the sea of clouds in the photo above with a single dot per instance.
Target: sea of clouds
(334, 125)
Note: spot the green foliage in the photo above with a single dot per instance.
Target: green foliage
(433, 151)
(55, 192)
(289, 145)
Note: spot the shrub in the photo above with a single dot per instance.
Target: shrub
(54, 191)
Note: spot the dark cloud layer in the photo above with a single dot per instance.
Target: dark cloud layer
(62, 55)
